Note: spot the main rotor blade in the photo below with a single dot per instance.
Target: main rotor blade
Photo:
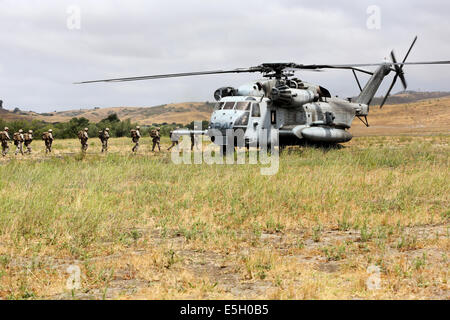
(265, 68)
(173, 75)
(424, 62)
(349, 66)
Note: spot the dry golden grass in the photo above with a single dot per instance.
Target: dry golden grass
(141, 227)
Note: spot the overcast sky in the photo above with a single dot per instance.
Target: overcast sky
(40, 56)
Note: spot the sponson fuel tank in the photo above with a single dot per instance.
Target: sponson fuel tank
(324, 134)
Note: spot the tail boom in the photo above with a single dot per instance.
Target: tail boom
(371, 88)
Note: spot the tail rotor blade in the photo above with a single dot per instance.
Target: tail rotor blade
(399, 70)
(401, 75)
(410, 48)
(389, 91)
(403, 80)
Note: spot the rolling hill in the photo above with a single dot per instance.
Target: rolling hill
(420, 117)
(179, 113)
(406, 112)
(411, 96)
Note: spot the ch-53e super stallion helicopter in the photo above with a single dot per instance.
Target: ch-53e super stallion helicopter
(300, 111)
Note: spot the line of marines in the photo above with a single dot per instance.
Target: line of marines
(22, 140)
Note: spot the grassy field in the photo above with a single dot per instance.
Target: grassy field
(139, 226)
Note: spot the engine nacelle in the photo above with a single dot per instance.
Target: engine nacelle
(224, 92)
(253, 89)
(289, 97)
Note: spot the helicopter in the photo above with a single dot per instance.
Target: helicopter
(299, 111)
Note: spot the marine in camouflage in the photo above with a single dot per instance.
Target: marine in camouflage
(135, 139)
(5, 138)
(157, 139)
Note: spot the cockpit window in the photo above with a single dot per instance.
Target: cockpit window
(256, 112)
(218, 106)
(243, 120)
(228, 106)
(245, 106)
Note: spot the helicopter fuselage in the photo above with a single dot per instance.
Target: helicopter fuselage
(298, 111)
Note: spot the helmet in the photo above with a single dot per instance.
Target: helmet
(30, 131)
(20, 131)
(107, 129)
(86, 129)
(50, 130)
(158, 129)
(137, 127)
(6, 129)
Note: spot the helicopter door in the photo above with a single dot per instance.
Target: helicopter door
(254, 123)
(273, 125)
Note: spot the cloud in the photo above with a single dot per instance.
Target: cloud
(40, 57)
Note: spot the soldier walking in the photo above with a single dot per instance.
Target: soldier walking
(174, 138)
(104, 137)
(48, 140)
(18, 141)
(156, 138)
(135, 136)
(4, 137)
(84, 137)
(194, 141)
(28, 138)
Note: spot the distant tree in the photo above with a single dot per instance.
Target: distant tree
(111, 118)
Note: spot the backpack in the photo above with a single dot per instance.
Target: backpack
(17, 137)
(3, 136)
(101, 136)
(27, 137)
(153, 133)
(45, 136)
(81, 135)
(133, 133)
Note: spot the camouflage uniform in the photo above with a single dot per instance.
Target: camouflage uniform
(19, 143)
(48, 141)
(28, 140)
(136, 140)
(84, 140)
(174, 139)
(104, 138)
(5, 147)
(156, 140)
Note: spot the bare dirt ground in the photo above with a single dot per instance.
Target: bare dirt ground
(223, 270)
